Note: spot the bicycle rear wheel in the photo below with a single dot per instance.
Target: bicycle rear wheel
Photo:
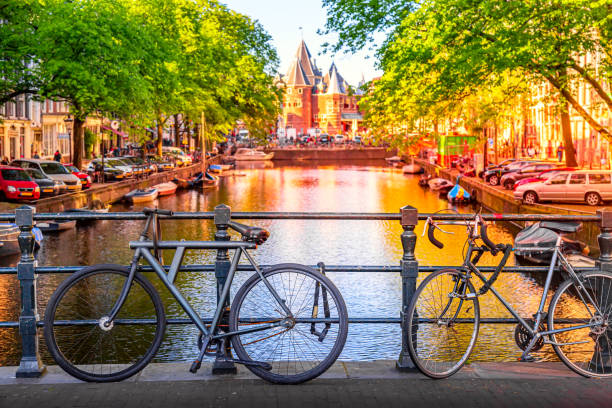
(587, 351)
(299, 351)
(443, 328)
(88, 350)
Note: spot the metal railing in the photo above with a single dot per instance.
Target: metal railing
(408, 268)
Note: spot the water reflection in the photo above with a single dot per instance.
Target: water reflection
(361, 187)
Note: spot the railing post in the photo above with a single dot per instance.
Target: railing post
(410, 272)
(222, 365)
(604, 263)
(30, 365)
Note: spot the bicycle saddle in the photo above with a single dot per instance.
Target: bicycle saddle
(561, 227)
(250, 234)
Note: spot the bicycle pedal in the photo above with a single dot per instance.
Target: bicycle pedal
(527, 359)
(195, 366)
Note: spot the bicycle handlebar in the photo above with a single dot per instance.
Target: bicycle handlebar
(432, 238)
(485, 238)
(159, 211)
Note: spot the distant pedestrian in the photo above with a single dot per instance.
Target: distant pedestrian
(560, 152)
(36, 156)
(5, 161)
(57, 156)
(531, 152)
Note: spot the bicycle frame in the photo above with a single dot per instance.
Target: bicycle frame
(533, 331)
(143, 250)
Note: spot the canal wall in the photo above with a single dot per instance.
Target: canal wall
(358, 153)
(108, 193)
(503, 202)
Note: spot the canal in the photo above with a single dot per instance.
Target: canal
(355, 187)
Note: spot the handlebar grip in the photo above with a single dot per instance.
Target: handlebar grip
(239, 228)
(485, 237)
(432, 238)
(148, 211)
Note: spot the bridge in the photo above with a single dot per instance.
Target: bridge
(32, 373)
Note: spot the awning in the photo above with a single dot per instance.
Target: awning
(114, 131)
(352, 116)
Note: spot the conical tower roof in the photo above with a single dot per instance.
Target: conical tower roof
(296, 75)
(303, 55)
(336, 82)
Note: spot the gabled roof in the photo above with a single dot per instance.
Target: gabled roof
(303, 55)
(296, 75)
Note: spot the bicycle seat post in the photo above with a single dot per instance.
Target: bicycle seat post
(222, 364)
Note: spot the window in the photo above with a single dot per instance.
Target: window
(529, 169)
(289, 91)
(560, 179)
(599, 178)
(577, 179)
(53, 168)
(543, 167)
(300, 90)
(15, 175)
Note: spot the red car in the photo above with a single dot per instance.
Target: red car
(543, 176)
(84, 177)
(16, 184)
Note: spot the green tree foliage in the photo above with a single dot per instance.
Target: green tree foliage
(440, 51)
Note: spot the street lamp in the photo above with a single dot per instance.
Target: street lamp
(67, 121)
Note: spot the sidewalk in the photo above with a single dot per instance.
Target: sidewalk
(347, 384)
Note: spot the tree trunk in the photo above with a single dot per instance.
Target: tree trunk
(485, 153)
(77, 143)
(566, 130)
(177, 135)
(160, 131)
(495, 152)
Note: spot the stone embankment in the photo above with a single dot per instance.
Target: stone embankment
(502, 201)
(107, 193)
(332, 153)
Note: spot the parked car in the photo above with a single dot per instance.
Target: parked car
(140, 163)
(160, 163)
(324, 138)
(531, 170)
(339, 139)
(180, 156)
(84, 177)
(357, 139)
(493, 166)
(110, 172)
(545, 175)
(48, 187)
(590, 186)
(53, 170)
(16, 184)
(494, 175)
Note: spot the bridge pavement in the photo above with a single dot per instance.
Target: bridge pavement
(346, 385)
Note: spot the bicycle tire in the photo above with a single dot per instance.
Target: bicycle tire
(70, 301)
(440, 355)
(280, 276)
(567, 304)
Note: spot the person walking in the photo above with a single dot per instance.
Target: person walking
(57, 156)
(560, 152)
(36, 156)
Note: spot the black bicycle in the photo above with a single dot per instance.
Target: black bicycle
(444, 314)
(287, 323)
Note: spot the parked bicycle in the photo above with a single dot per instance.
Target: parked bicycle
(444, 314)
(106, 322)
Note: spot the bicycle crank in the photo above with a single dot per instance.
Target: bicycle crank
(522, 337)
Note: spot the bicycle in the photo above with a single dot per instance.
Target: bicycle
(444, 314)
(106, 322)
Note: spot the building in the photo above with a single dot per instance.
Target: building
(20, 127)
(314, 99)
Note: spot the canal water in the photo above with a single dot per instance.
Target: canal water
(313, 187)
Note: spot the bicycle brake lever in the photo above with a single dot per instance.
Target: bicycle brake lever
(446, 232)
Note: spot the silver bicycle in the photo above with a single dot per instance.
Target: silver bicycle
(444, 314)
(287, 323)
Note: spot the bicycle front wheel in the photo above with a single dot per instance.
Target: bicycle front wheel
(588, 350)
(79, 341)
(443, 327)
(299, 349)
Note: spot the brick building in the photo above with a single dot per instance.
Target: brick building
(314, 99)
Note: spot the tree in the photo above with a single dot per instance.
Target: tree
(453, 47)
(88, 54)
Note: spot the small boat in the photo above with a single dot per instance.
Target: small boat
(424, 180)
(94, 207)
(393, 159)
(440, 183)
(244, 154)
(56, 225)
(9, 243)
(218, 168)
(141, 196)
(209, 180)
(184, 183)
(458, 195)
(412, 168)
(541, 240)
(165, 189)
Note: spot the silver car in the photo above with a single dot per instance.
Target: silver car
(590, 186)
(53, 170)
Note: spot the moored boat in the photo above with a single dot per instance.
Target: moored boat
(56, 225)
(424, 180)
(9, 244)
(540, 241)
(245, 154)
(440, 183)
(458, 195)
(412, 169)
(218, 168)
(141, 195)
(393, 159)
(165, 189)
